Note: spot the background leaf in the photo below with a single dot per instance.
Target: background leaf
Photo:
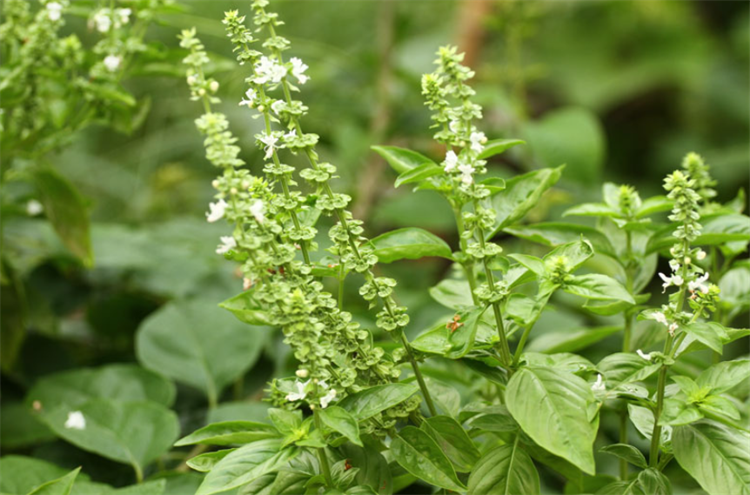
(409, 243)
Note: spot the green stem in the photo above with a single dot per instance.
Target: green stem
(624, 440)
(324, 459)
(418, 374)
(467, 265)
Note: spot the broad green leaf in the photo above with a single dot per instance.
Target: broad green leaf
(554, 234)
(735, 291)
(205, 462)
(532, 263)
(370, 401)
(21, 474)
(609, 308)
(341, 421)
(418, 453)
(453, 294)
(401, 159)
(246, 309)
(463, 339)
(598, 287)
(19, 427)
(245, 465)
(592, 210)
(623, 367)
(285, 421)
(134, 433)
(229, 433)
(122, 382)
(497, 146)
(434, 341)
(373, 468)
(720, 408)
(418, 173)
(571, 340)
(707, 333)
(627, 452)
(239, 411)
(66, 211)
(446, 398)
(655, 204)
(725, 375)
(453, 441)
(631, 487)
(497, 418)
(409, 243)
(520, 195)
(643, 420)
(715, 455)
(60, 486)
(718, 230)
(654, 482)
(551, 407)
(570, 135)
(493, 184)
(504, 470)
(196, 343)
(563, 361)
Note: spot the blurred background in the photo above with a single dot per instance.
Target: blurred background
(617, 90)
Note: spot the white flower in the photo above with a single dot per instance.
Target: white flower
(34, 207)
(642, 354)
(250, 101)
(327, 398)
(466, 171)
(270, 141)
(75, 421)
(300, 393)
(112, 62)
(298, 70)
(227, 243)
(599, 385)
(659, 316)
(699, 284)
(246, 283)
(276, 106)
(701, 255)
(451, 161)
(477, 141)
(674, 265)
(124, 15)
(54, 11)
(303, 373)
(257, 210)
(214, 86)
(675, 280)
(269, 70)
(103, 21)
(322, 383)
(455, 126)
(290, 135)
(672, 328)
(217, 211)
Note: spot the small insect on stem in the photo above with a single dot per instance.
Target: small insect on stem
(454, 324)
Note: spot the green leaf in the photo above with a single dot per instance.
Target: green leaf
(715, 455)
(521, 194)
(370, 401)
(60, 486)
(341, 421)
(564, 361)
(434, 341)
(229, 433)
(21, 474)
(504, 470)
(592, 210)
(453, 441)
(716, 231)
(401, 159)
(418, 453)
(720, 409)
(66, 211)
(245, 465)
(206, 462)
(532, 263)
(570, 135)
(598, 287)
(654, 482)
(196, 343)
(551, 407)
(556, 233)
(706, 333)
(497, 146)
(418, 173)
(463, 339)
(373, 468)
(627, 452)
(623, 367)
(123, 382)
(287, 422)
(134, 433)
(453, 294)
(571, 340)
(655, 204)
(725, 375)
(409, 243)
(246, 309)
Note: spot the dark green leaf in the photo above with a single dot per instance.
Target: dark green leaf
(418, 453)
(598, 287)
(453, 440)
(418, 173)
(229, 433)
(571, 340)
(497, 146)
(556, 233)
(463, 339)
(369, 402)
(409, 243)
(246, 309)
(373, 468)
(60, 486)
(453, 294)
(654, 482)
(342, 422)
(504, 470)
(627, 452)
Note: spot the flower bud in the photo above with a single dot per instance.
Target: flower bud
(191, 80)
(701, 255)
(215, 184)
(302, 373)
(202, 92)
(214, 86)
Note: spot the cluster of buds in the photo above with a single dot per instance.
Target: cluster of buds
(698, 170)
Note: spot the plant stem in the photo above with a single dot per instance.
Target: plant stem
(467, 265)
(418, 374)
(323, 459)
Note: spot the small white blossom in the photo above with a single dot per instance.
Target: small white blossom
(54, 11)
(701, 255)
(75, 421)
(250, 101)
(477, 141)
(257, 210)
(246, 283)
(298, 70)
(675, 280)
(303, 373)
(227, 243)
(451, 161)
(270, 141)
(214, 86)
(659, 316)
(643, 355)
(322, 384)
(217, 211)
(103, 21)
(699, 284)
(124, 15)
(276, 106)
(327, 398)
(674, 265)
(112, 62)
(455, 126)
(34, 208)
(290, 135)
(599, 385)
(466, 171)
(300, 393)
(672, 328)
(269, 70)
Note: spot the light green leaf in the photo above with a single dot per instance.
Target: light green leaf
(418, 173)
(725, 375)
(453, 294)
(521, 193)
(196, 343)
(453, 441)
(60, 486)
(654, 482)
(627, 452)
(653, 205)
(341, 421)
(623, 367)
(556, 233)
(409, 243)
(592, 210)
(66, 211)
(246, 309)
(463, 339)
(598, 287)
(370, 401)
(229, 433)
(706, 333)
(434, 341)
(401, 159)
(571, 340)
(373, 468)
(497, 146)
(504, 470)
(551, 407)
(533, 263)
(418, 453)
(715, 455)
(21, 474)
(205, 462)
